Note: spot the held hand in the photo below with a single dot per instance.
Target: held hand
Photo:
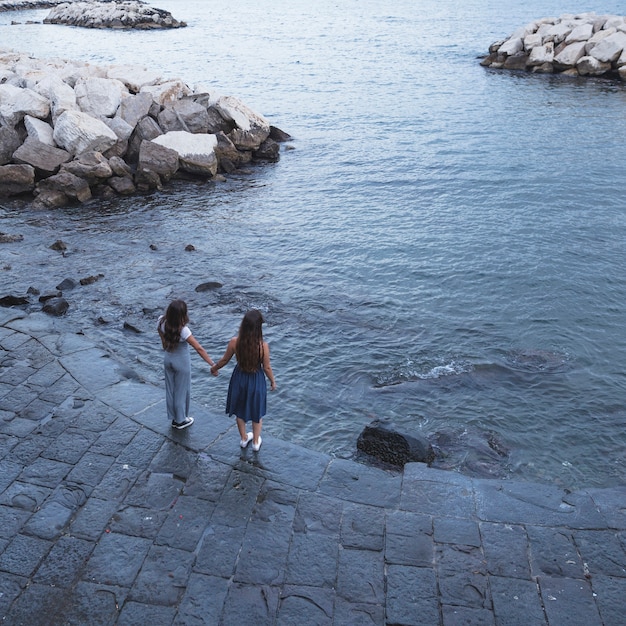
(214, 370)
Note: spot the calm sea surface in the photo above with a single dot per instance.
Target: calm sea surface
(443, 246)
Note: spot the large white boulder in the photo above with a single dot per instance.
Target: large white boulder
(134, 77)
(581, 33)
(610, 48)
(15, 103)
(168, 92)
(99, 97)
(251, 129)
(597, 37)
(512, 46)
(542, 54)
(590, 66)
(78, 132)
(60, 95)
(39, 130)
(570, 55)
(196, 152)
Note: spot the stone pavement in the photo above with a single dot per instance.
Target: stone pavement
(107, 516)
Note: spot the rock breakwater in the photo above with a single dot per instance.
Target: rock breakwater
(71, 130)
(577, 45)
(120, 15)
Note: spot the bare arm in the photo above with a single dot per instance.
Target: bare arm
(267, 367)
(228, 355)
(193, 342)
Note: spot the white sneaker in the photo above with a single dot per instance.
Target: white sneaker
(257, 446)
(244, 442)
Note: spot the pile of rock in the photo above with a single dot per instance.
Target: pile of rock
(576, 45)
(69, 130)
(121, 15)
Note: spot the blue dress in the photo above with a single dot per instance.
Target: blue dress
(247, 394)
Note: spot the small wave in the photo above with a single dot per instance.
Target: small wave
(537, 360)
(409, 374)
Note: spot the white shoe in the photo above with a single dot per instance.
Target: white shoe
(244, 442)
(257, 446)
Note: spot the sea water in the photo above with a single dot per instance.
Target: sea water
(440, 245)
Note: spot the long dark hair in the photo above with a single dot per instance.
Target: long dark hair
(175, 318)
(250, 341)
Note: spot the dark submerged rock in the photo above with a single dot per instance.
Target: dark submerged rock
(56, 306)
(381, 440)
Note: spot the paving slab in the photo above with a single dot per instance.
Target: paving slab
(109, 516)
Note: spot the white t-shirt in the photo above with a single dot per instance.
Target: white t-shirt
(185, 333)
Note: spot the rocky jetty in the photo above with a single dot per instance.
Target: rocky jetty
(71, 130)
(577, 45)
(121, 15)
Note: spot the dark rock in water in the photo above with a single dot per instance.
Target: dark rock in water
(381, 440)
(65, 285)
(190, 247)
(132, 327)
(89, 280)
(279, 135)
(59, 246)
(7, 238)
(44, 297)
(208, 286)
(8, 301)
(56, 306)
(269, 150)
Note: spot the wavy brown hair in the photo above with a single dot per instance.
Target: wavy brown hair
(249, 348)
(175, 318)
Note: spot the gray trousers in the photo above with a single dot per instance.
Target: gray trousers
(177, 365)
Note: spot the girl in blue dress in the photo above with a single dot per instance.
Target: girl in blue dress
(247, 390)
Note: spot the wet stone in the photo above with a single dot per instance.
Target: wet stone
(369, 586)
(610, 593)
(516, 602)
(25, 496)
(163, 576)
(441, 499)
(116, 560)
(17, 398)
(185, 523)
(12, 520)
(35, 601)
(10, 588)
(362, 526)
(27, 450)
(23, 555)
(9, 471)
(450, 530)
(251, 604)
(237, 500)
(135, 613)
(306, 605)
(154, 491)
(601, 551)
(219, 550)
(553, 553)
(171, 458)
(565, 597)
(466, 616)
(70, 447)
(138, 521)
(37, 410)
(93, 604)
(45, 472)
(117, 482)
(409, 539)
(95, 417)
(93, 518)
(64, 563)
(264, 551)
(411, 596)
(203, 600)
(360, 613)
(113, 440)
(91, 469)
(506, 550)
(359, 483)
(318, 514)
(141, 450)
(49, 521)
(312, 560)
(462, 576)
(207, 478)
